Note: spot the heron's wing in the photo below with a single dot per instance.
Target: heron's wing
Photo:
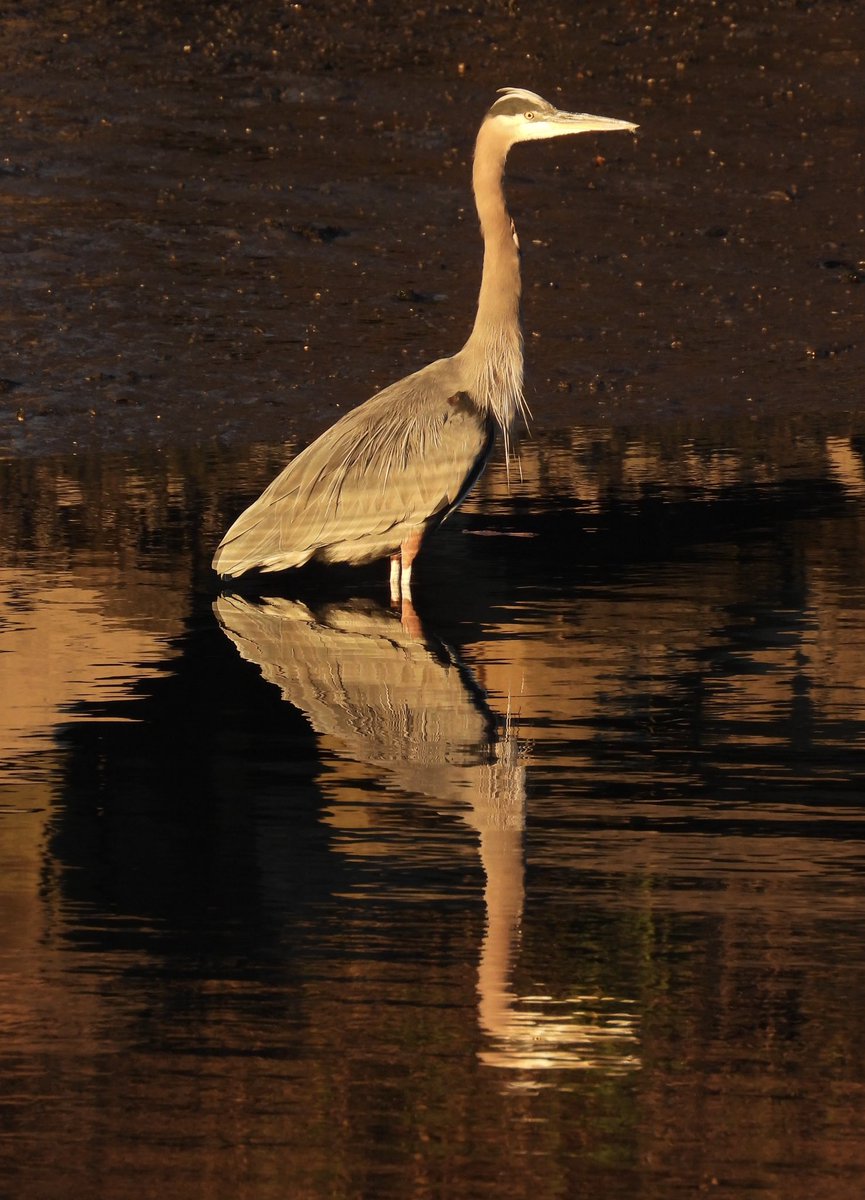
(399, 461)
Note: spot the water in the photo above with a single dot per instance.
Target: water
(551, 889)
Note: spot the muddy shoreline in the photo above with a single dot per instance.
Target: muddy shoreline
(231, 224)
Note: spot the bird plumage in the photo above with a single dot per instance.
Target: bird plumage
(355, 494)
(392, 469)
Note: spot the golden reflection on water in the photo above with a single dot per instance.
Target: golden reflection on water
(591, 464)
(650, 758)
(379, 694)
(65, 642)
(69, 643)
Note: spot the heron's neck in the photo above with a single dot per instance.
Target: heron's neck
(494, 350)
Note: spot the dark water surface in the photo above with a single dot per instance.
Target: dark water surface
(556, 892)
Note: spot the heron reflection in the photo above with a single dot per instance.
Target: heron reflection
(383, 694)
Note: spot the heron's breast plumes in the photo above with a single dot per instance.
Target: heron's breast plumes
(496, 368)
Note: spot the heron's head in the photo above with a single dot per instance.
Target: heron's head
(522, 116)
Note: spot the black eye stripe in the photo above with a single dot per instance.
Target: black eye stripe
(512, 106)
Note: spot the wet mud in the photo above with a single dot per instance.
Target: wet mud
(229, 223)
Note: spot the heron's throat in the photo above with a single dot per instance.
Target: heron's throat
(493, 354)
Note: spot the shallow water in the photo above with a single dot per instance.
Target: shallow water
(554, 888)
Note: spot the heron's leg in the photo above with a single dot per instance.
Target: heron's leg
(408, 552)
(394, 578)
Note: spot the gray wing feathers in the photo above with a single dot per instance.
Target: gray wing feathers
(399, 461)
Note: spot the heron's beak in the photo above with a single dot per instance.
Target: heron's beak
(566, 122)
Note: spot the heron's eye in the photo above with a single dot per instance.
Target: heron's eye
(530, 116)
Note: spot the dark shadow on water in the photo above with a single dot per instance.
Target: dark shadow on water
(164, 811)
(479, 561)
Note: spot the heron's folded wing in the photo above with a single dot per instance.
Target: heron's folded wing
(401, 459)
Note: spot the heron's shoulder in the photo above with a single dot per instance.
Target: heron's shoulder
(437, 381)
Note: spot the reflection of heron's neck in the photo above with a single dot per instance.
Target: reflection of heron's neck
(502, 858)
(494, 351)
(498, 813)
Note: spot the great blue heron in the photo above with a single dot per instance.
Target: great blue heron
(393, 468)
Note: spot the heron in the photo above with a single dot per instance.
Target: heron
(388, 472)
